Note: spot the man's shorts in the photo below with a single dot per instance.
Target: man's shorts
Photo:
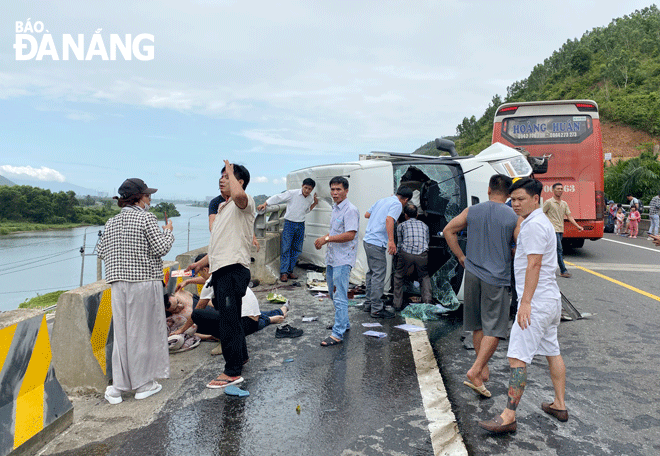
(485, 307)
(540, 338)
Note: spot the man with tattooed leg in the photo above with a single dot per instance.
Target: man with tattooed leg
(539, 309)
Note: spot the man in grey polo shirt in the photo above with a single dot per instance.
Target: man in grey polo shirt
(490, 235)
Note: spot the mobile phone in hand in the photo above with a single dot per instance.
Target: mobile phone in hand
(165, 214)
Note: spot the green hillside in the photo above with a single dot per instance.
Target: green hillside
(5, 181)
(618, 66)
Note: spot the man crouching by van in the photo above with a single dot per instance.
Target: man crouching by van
(535, 330)
(487, 262)
(340, 255)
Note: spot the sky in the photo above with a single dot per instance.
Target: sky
(275, 86)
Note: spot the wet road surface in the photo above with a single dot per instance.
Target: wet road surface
(611, 361)
(363, 397)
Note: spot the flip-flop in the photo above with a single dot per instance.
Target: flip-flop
(329, 342)
(479, 389)
(223, 383)
(233, 390)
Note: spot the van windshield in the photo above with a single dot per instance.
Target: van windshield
(439, 194)
(438, 191)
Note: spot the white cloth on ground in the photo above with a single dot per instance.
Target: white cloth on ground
(249, 303)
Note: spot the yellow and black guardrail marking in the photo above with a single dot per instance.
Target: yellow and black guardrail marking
(31, 398)
(99, 322)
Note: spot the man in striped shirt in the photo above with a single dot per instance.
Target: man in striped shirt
(413, 254)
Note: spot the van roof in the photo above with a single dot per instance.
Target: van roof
(399, 156)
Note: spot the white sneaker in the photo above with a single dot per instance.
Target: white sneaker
(113, 395)
(155, 387)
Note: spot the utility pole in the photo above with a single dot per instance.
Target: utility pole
(189, 230)
(82, 254)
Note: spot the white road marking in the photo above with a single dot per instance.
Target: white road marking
(657, 249)
(445, 438)
(617, 266)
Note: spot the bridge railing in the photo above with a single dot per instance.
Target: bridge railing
(269, 221)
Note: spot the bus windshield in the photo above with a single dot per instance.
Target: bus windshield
(547, 129)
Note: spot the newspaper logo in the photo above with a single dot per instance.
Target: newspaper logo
(33, 42)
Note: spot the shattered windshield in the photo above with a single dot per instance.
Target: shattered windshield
(439, 194)
(436, 190)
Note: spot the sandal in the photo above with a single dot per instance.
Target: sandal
(329, 342)
(224, 382)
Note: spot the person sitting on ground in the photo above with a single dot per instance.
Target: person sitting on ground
(252, 319)
(299, 203)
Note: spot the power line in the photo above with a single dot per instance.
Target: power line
(41, 258)
(71, 287)
(41, 265)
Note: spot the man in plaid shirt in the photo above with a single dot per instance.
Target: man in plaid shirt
(413, 255)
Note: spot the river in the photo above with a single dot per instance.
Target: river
(38, 262)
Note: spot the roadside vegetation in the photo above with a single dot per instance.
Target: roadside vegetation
(42, 301)
(618, 66)
(26, 208)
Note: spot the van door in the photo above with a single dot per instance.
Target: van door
(440, 195)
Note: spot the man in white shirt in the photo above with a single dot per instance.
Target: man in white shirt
(229, 260)
(539, 309)
(298, 204)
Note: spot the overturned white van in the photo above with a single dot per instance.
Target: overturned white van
(442, 188)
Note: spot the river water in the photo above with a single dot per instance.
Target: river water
(35, 263)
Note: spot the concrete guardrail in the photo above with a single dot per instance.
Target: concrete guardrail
(82, 336)
(33, 405)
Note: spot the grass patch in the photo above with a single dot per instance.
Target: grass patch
(42, 301)
(13, 227)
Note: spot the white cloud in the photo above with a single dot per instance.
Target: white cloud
(84, 116)
(42, 174)
(261, 179)
(281, 181)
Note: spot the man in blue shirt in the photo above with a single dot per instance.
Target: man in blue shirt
(340, 255)
(379, 240)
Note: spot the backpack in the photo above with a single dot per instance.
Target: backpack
(640, 206)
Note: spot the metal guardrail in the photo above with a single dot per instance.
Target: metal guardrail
(270, 220)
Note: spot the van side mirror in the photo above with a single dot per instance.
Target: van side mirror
(446, 145)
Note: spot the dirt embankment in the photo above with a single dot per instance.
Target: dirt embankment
(623, 141)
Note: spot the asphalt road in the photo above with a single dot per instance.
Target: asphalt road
(366, 398)
(611, 359)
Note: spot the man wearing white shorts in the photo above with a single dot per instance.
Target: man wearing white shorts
(539, 310)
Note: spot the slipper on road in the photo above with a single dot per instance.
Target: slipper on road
(329, 342)
(233, 390)
(219, 383)
(479, 389)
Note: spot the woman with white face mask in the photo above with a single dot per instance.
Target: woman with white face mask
(132, 247)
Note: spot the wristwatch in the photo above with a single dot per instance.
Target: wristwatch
(327, 238)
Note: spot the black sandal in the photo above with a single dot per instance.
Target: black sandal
(329, 342)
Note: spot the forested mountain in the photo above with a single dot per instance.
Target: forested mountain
(618, 66)
(5, 181)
